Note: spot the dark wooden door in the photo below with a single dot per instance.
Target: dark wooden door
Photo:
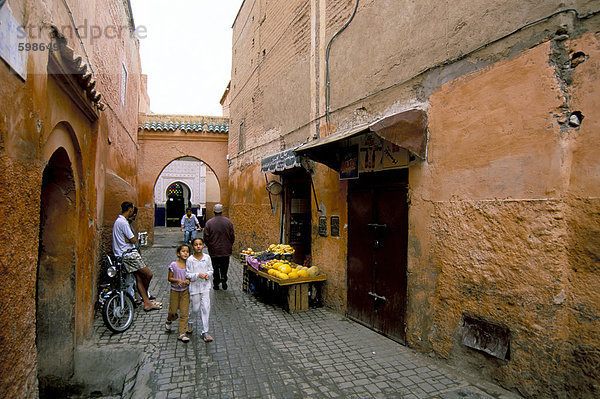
(297, 214)
(377, 242)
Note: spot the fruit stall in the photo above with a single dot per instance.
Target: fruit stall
(274, 278)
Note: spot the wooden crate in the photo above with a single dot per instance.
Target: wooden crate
(292, 295)
(297, 297)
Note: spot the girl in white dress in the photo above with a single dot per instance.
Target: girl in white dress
(199, 271)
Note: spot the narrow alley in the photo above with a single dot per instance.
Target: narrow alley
(261, 351)
(431, 166)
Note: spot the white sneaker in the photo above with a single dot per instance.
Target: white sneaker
(168, 326)
(183, 338)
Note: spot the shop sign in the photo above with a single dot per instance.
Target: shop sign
(349, 164)
(280, 162)
(376, 154)
(393, 156)
(369, 153)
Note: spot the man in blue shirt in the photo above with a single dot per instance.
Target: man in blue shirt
(189, 223)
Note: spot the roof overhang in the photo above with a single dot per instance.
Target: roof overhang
(406, 129)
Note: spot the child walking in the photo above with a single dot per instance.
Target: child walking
(179, 299)
(199, 271)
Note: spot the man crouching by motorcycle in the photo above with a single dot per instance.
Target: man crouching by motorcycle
(124, 246)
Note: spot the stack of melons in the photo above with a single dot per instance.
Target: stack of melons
(280, 249)
(248, 251)
(286, 270)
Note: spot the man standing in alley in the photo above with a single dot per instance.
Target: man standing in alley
(219, 238)
(189, 224)
(124, 245)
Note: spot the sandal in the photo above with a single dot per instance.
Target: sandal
(183, 338)
(206, 337)
(154, 307)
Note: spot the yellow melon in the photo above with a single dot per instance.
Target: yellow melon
(302, 273)
(285, 269)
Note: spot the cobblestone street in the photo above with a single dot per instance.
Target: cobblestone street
(261, 351)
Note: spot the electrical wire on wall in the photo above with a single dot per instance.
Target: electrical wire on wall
(327, 81)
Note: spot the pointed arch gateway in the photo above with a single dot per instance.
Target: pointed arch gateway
(166, 138)
(185, 182)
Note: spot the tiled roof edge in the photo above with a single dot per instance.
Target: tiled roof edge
(186, 126)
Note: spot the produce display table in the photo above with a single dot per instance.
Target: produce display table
(295, 295)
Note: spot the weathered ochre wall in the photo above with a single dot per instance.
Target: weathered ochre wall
(503, 213)
(330, 253)
(37, 118)
(256, 223)
(505, 227)
(581, 347)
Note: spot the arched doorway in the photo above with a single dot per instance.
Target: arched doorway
(192, 177)
(176, 203)
(55, 299)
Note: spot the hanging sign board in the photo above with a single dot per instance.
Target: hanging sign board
(393, 156)
(349, 164)
(280, 162)
(371, 154)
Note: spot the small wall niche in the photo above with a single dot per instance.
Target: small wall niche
(487, 337)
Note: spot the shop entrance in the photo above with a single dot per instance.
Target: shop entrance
(175, 204)
(297, 213)
(377, 244)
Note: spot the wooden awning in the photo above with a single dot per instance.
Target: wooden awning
(406, 129)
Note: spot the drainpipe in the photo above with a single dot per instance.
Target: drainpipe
(327, 81)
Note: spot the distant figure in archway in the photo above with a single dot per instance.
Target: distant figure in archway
(189, 224)
(219, 237)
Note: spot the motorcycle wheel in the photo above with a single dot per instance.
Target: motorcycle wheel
(118, 316)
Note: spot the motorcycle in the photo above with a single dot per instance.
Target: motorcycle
(116, 296)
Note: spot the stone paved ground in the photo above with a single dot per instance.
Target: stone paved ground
(261, 351)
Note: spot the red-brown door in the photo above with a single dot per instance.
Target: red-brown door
(377, 242)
